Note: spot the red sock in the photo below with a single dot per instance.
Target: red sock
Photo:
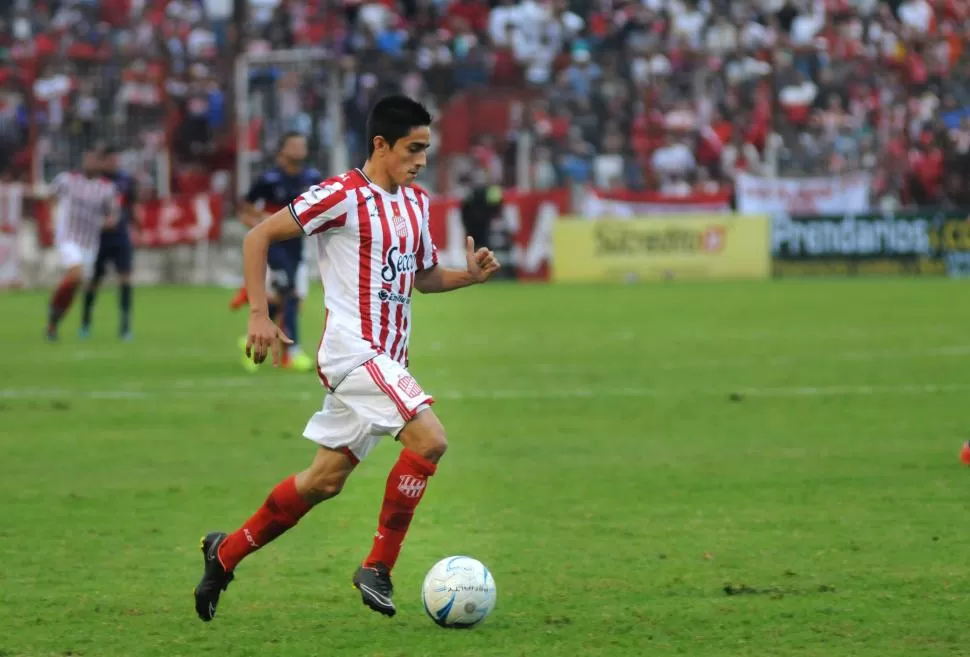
(282, 509)
(62, 298)
(405, 487)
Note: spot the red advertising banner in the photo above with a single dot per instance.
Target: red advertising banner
(530, 218)
(179, 220)
(158, 223)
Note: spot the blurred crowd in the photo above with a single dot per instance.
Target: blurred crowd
(670, 95)
(147, 75)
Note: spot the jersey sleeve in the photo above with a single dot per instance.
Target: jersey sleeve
(427, 255)
(321, 208)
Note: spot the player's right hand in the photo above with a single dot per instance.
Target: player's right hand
(263, 337)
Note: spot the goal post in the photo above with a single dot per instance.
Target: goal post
(281, 90)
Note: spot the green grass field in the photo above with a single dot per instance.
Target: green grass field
(696, 469)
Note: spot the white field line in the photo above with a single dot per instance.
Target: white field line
(556, 368)
(85, 352)
(209, 391)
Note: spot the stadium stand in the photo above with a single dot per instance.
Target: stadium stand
(669, 95)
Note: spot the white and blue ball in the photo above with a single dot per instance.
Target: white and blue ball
(458, 592)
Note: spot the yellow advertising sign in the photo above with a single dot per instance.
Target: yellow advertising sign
(693, 247)
(953, 235)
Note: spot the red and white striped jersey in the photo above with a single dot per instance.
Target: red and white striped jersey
(370, 245)
(83, 206)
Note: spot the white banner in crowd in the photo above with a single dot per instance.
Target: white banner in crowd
(627, 204)
(830, 195)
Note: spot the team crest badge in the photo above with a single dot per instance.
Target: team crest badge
(411, 486)
(400, 226)
(409, 386)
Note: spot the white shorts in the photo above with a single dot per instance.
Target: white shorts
(72, 254)
(375, 400)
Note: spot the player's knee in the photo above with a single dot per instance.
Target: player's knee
(325, 478)
(426, 436)
(320, 486)
(436, 448)
(324, 489)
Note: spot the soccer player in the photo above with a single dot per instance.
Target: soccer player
(115, 247)
(270, 193)
(369, 228)
(84, 204)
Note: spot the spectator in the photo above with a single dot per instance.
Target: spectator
(916, 16)
(673, 160)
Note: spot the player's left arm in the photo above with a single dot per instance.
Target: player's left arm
(480, 265)
(431, 278)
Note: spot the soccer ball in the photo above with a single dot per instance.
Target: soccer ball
(458, 592)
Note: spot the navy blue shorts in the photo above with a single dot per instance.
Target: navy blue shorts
(283, 268)
(119, 253)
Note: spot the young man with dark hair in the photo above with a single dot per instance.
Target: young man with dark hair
(287, 276)
(115, 247)
(370, 230)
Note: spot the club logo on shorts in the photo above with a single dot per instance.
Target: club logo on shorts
(411, 486)
(400, 226)
(410, 387)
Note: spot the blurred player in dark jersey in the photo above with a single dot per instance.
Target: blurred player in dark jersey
(287, 275)
(115, 247)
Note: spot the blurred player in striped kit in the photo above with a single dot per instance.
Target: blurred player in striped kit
(85, 203)
(115, 247)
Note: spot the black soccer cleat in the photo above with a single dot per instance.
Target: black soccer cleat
(214, 580)
(374, 584)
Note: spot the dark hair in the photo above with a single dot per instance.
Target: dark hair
(288, 135)
(392, 118)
